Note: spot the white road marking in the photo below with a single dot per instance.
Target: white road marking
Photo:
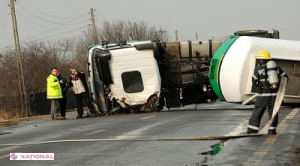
(4, 156)
(264, 148)
(185, 107)
(7, 155)
(147, 117)
(238, 130)
(128, 135)
(135, 133)
(95, 132)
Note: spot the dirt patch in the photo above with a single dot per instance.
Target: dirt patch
(16, 121)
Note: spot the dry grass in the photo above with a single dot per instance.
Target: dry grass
(6, 115)
(9, 119)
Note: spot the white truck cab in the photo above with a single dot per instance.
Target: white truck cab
(124, 75)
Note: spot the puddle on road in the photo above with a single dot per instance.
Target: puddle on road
(215, 149)
(5, 133)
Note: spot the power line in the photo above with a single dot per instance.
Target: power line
(46, 13)
(69, 32)
(72, 30)
(43, 19)
(36, 35)
(97, 18)
(5, 3)
(36, 16)
(54, 28)
(61, 34)
(33, 21)
(48, 27)
(98, 15)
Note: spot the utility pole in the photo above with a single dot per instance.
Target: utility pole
(196, 36)
(161, 34)
(24, 101)
(136, 31)
(96, 41)
(176, 35)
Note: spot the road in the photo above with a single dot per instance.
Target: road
(88, 147)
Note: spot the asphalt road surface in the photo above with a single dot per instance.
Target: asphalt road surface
(89, 141)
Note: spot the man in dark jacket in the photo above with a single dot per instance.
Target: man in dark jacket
(81, 90)
(267, 92)
(63, 102)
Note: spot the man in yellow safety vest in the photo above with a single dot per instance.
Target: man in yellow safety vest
(54, 92)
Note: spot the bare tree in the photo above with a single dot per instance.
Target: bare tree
(120, 30)
(80, 49)
(38, 59)
(113, 31)
(224, 39)
(9, 86)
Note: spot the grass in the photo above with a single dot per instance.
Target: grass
(14, 114)
(9, 119)
(4, 115)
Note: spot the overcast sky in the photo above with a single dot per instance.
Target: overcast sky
(218, 18)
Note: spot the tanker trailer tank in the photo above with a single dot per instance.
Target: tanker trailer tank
(233, 64)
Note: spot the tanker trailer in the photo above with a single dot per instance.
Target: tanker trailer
(233, 64)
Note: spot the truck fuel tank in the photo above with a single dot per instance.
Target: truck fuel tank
(190, 49)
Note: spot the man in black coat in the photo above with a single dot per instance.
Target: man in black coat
(63, 102)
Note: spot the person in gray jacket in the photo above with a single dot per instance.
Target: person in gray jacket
(81, 90)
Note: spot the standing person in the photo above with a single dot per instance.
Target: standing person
(63, 102)
(81, 90)
(267, 92)
(54, 92)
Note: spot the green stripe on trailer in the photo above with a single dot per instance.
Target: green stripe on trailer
(215, 65)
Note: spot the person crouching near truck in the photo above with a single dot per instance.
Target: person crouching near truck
(268, 88)
(54, 92)
(80, 88)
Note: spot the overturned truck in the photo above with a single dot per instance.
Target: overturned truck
(145, 76)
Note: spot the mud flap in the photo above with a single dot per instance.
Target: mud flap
(278, 101)
(173, 99)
